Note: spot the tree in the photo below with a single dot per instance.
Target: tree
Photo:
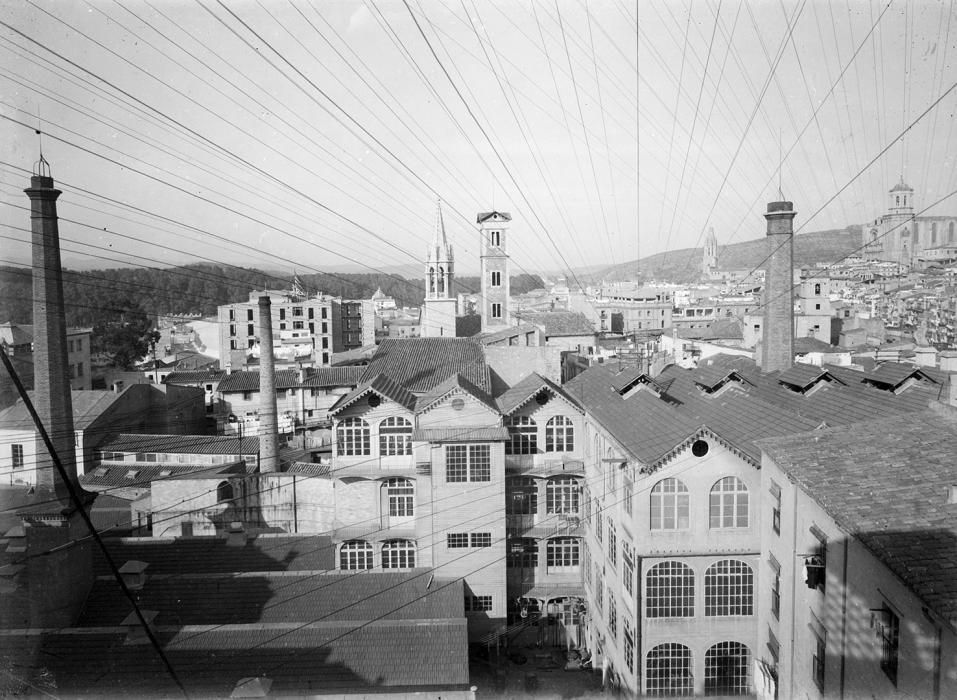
(128, 339)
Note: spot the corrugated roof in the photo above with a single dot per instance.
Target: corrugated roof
(886, 482)
(801, 375)
(894, 374)
(183, 444)
(492, 433)
(142, 475)
(333, 376)
(558, 323)
(382, 385)
(419, 364)
(453, 383)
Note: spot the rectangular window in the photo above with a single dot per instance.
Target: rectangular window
(312, 313)
(79, 369)
(890, 628)
(628, 487)
(817, 662)
(496, 238)
(598, 519)
(16, 453)
(612, 543)
(496, 310)
(628, 634)
(233, 345)
(325, 313)
(481, 539)
(249, 314)
(282, 314)
(628, 568)
(457, 540)
(298, 325)
(612, 615)
(496, 278)
(250, 329)
(232, 314)
(468, 463)
(297, 311)
(776, 593)
(478, 603)
(325, 326)
(776, 508)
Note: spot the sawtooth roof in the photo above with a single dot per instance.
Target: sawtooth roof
(420, 364)
(886, 482)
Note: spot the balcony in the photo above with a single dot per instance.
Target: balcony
(545, 526)
(537, 465)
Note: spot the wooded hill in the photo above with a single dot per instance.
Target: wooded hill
(97, 297)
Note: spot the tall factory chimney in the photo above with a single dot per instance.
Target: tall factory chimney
(268, 420)
(777, 346)
(58, 571)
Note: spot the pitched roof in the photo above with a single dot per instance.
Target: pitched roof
(453, 383)
(142, 475)
(419, 364)
(893, 374)
(246, 380)
(505, 333)
(333, 376)
(184, 444)
(88, 405)
(805, 345)
(195, 376)
(558, 323)
(527, 389)
(383, 386)
(886, 482)
(723, 329)
(486, 215)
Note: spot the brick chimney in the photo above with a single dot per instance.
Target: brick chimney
(777, 345)
(268, 421)
(59, 565)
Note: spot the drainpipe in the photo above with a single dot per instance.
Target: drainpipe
(847, 555)
(793, 586)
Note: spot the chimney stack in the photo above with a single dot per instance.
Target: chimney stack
(51, 365)
(268, 421)
(777, 346)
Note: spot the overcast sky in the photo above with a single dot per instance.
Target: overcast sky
(316, 135)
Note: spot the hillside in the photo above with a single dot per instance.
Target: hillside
(685, 265)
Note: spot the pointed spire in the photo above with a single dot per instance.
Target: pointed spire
(438, 238)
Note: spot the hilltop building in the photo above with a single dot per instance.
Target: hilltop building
(901, 237)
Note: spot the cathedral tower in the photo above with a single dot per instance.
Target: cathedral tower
(439, 308)
(493, 226)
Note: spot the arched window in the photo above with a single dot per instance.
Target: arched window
(352, 436)
(670, 590)
(398, 554)
(817, 288)
(395, 436)
(729, 503)
(401, 495)
(224, 492)
(562, 554)
(355, 555)
(522, 496)
(898, 200)
(522, 436)
(522, 553)
(431, 279)
(559, 435)
(670, 505)
(441, 280)
(727, 667)
(669, 671)
(562, 495)
(728, 589)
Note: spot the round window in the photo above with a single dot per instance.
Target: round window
(374, 400)
(542, 398)
(699, 448)
(458, 404)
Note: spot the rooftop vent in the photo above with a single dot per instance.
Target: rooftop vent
(252, 688)
(135, 632)
(134, 574)
(236, 535)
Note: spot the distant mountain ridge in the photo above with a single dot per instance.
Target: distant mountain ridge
(684, 265)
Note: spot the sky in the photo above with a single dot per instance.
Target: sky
(318, 136)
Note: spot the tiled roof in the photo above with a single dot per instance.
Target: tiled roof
(183, 444)
(210, 555)
(249, 381)
(419, 364)
(558, 323)
(333, 376)
(88, 405)
(468, 326)
(141, 475)
(886, 482)
(505, 333)
(492, 433)
(310, 469)
(453, 383)
(806, 345)
(382, 385)
(356, 356)
(334, 658)
(723, 329)
(527, 389)
(195, 377)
